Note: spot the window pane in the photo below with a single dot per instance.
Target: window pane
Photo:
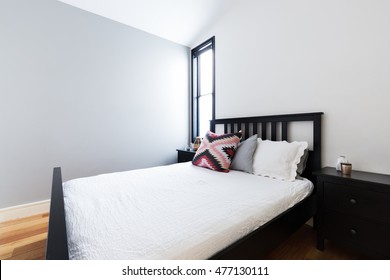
(195, 96)
(205, 113)
(206, 72)
(202, 87)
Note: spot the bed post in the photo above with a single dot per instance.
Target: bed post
(317, 141)
(57, 244)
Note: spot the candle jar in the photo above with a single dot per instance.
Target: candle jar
(198, 141)
(346, 168)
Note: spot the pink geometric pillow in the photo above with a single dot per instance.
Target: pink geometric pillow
(216, 151)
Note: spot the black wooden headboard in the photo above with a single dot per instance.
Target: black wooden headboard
(266, 127)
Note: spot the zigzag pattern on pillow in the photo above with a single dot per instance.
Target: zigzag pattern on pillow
(217, 151)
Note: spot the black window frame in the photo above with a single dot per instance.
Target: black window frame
(195, 92)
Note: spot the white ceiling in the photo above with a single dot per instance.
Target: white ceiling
(180, 21)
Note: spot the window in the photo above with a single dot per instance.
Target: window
(203, 87)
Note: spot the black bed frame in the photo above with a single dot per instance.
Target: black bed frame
(255, 245)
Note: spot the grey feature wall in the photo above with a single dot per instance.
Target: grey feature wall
(85, 93)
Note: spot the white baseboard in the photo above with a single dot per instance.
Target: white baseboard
(25, 210)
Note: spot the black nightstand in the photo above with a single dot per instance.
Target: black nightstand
(185, 155)
(354, 210)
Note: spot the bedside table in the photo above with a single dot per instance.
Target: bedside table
(185, 155)
(354, 210)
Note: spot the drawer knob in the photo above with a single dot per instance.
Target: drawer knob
(353, 231)
(353, 201)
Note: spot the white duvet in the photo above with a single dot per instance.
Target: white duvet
(178, 211)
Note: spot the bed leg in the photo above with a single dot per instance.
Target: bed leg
(57, 243)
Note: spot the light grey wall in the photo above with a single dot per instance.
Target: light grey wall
(282, 56)
(85, 93)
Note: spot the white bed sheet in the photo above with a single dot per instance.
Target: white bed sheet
(178, 211)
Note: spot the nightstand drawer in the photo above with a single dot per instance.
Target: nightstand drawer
(185, 155)
(354, 210)
(351, 200)
(370, 236)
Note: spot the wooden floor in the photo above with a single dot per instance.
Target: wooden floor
(302, 246)
(25, 239)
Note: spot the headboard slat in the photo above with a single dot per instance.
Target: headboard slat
(254, 125)
(273, 131)
(263, 130)
(284, 131)
(246, 130)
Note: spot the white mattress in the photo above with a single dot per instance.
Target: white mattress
(178, 211)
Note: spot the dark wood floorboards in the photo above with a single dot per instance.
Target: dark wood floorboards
(302, 246)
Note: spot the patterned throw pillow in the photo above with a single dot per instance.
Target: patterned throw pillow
(216, 151)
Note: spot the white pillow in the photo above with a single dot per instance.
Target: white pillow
(278, 159)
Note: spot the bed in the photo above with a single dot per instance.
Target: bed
(249, 230)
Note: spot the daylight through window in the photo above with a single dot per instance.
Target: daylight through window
(203, 87)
